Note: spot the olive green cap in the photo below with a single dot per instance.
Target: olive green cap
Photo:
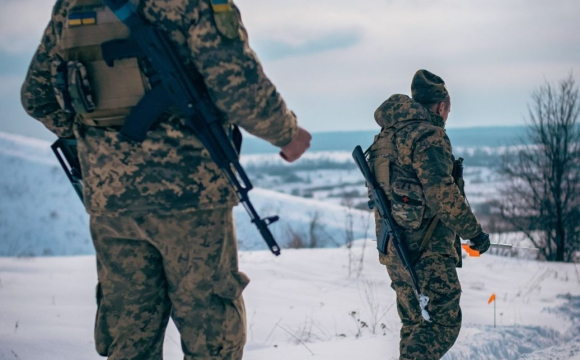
(428, 88)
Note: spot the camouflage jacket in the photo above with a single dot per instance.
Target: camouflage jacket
(170, 170)
(412, 160)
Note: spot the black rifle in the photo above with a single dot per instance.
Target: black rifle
(457, 174)
(389, 230)
(66, 153)
(172, 85)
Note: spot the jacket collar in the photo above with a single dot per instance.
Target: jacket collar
(437, 120)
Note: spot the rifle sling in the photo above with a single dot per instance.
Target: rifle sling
(429, 233)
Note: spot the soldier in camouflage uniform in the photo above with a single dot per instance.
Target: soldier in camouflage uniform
(161, 210)
(412, 160)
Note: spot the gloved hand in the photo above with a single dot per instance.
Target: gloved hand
(480, 243)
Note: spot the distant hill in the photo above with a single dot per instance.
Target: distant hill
(346, 140)
(40, 214)
(493, 136)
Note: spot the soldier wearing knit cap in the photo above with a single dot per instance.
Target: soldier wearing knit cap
(430, 91)
(411, 158)
(428, 88)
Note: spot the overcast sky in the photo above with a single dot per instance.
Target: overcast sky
(335, 61)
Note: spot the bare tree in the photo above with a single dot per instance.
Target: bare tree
(295, 239)
(367, 224)
(542, 195)
(349, 238)
(313, 237)
(313, 226)
(355, 263)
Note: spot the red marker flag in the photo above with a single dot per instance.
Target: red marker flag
(491, 299)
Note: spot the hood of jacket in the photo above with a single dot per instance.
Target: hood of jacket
(399, 109)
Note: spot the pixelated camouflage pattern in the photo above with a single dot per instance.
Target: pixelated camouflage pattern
(438, 280)
(408, 205)
(414, 144)
(152, 267)
(79, 88)
(428, 88)
(411, 157)
(170, 170)
(38, 97)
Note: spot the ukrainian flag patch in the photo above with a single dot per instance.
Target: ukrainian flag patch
(82, 18)
(220, 6)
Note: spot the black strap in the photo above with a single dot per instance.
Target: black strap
(236, 136)
(433, 222)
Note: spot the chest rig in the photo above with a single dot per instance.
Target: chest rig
(387, 162)
(395, 174)
(392, 171)
(101, 91)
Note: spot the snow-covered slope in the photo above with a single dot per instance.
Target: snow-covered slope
(304, 305)
(40, 214)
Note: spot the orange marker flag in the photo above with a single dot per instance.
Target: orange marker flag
(491, 299)
(470, 251)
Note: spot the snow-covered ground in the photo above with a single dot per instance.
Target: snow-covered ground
(304, 305)
(40, 214)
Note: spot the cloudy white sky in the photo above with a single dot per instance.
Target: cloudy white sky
(335, 61)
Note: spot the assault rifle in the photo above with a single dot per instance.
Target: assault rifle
(172, 85)
(457, 174)
(389, 230)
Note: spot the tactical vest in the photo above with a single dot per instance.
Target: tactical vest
(408, 205)
(400, 183)
(98, 94)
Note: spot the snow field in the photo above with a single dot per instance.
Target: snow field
(301, 303)
(329, 304)
(40, 214)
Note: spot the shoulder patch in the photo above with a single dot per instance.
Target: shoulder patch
(226, 18)
(220, 6)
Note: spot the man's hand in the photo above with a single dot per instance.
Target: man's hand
(299, 144)
(480, 243)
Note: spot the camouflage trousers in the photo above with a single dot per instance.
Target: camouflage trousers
(438, 280)
(154, 267)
